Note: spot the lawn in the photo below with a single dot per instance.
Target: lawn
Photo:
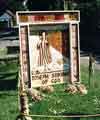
(8, 91)
(8, 105)
(56, 103)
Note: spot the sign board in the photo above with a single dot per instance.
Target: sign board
(49, 47)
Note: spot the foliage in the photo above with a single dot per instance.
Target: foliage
(14, 5)
(89, 24)
(45, 4)
(3, 6)
(8, 103)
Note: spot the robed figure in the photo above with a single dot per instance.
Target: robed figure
(44, 57)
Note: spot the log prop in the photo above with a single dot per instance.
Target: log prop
(23, 101)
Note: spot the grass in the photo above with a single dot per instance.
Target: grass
(3, 51)
(8, 91)
(56, 103)
(60, 103)
(8, 105)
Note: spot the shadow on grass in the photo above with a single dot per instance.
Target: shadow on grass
(8, 84)
(8, 81)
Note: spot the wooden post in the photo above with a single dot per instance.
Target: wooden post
(23, 102)
(91, 68)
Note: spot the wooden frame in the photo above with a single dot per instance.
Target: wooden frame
(27, 18)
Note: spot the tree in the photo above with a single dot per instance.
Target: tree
(90, 22)
(14, 5)
(3, 6)
(38, 5)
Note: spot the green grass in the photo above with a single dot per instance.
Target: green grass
(8, 105)
(56, 103)
(8, 66)
(61, 103)
(8, 97)
(3, 51)
(7, 70)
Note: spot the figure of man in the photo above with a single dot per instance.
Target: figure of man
(44, 57)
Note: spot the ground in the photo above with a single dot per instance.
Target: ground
(57, 103)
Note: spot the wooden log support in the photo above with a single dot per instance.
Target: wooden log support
(24, 108)
(23, 101)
